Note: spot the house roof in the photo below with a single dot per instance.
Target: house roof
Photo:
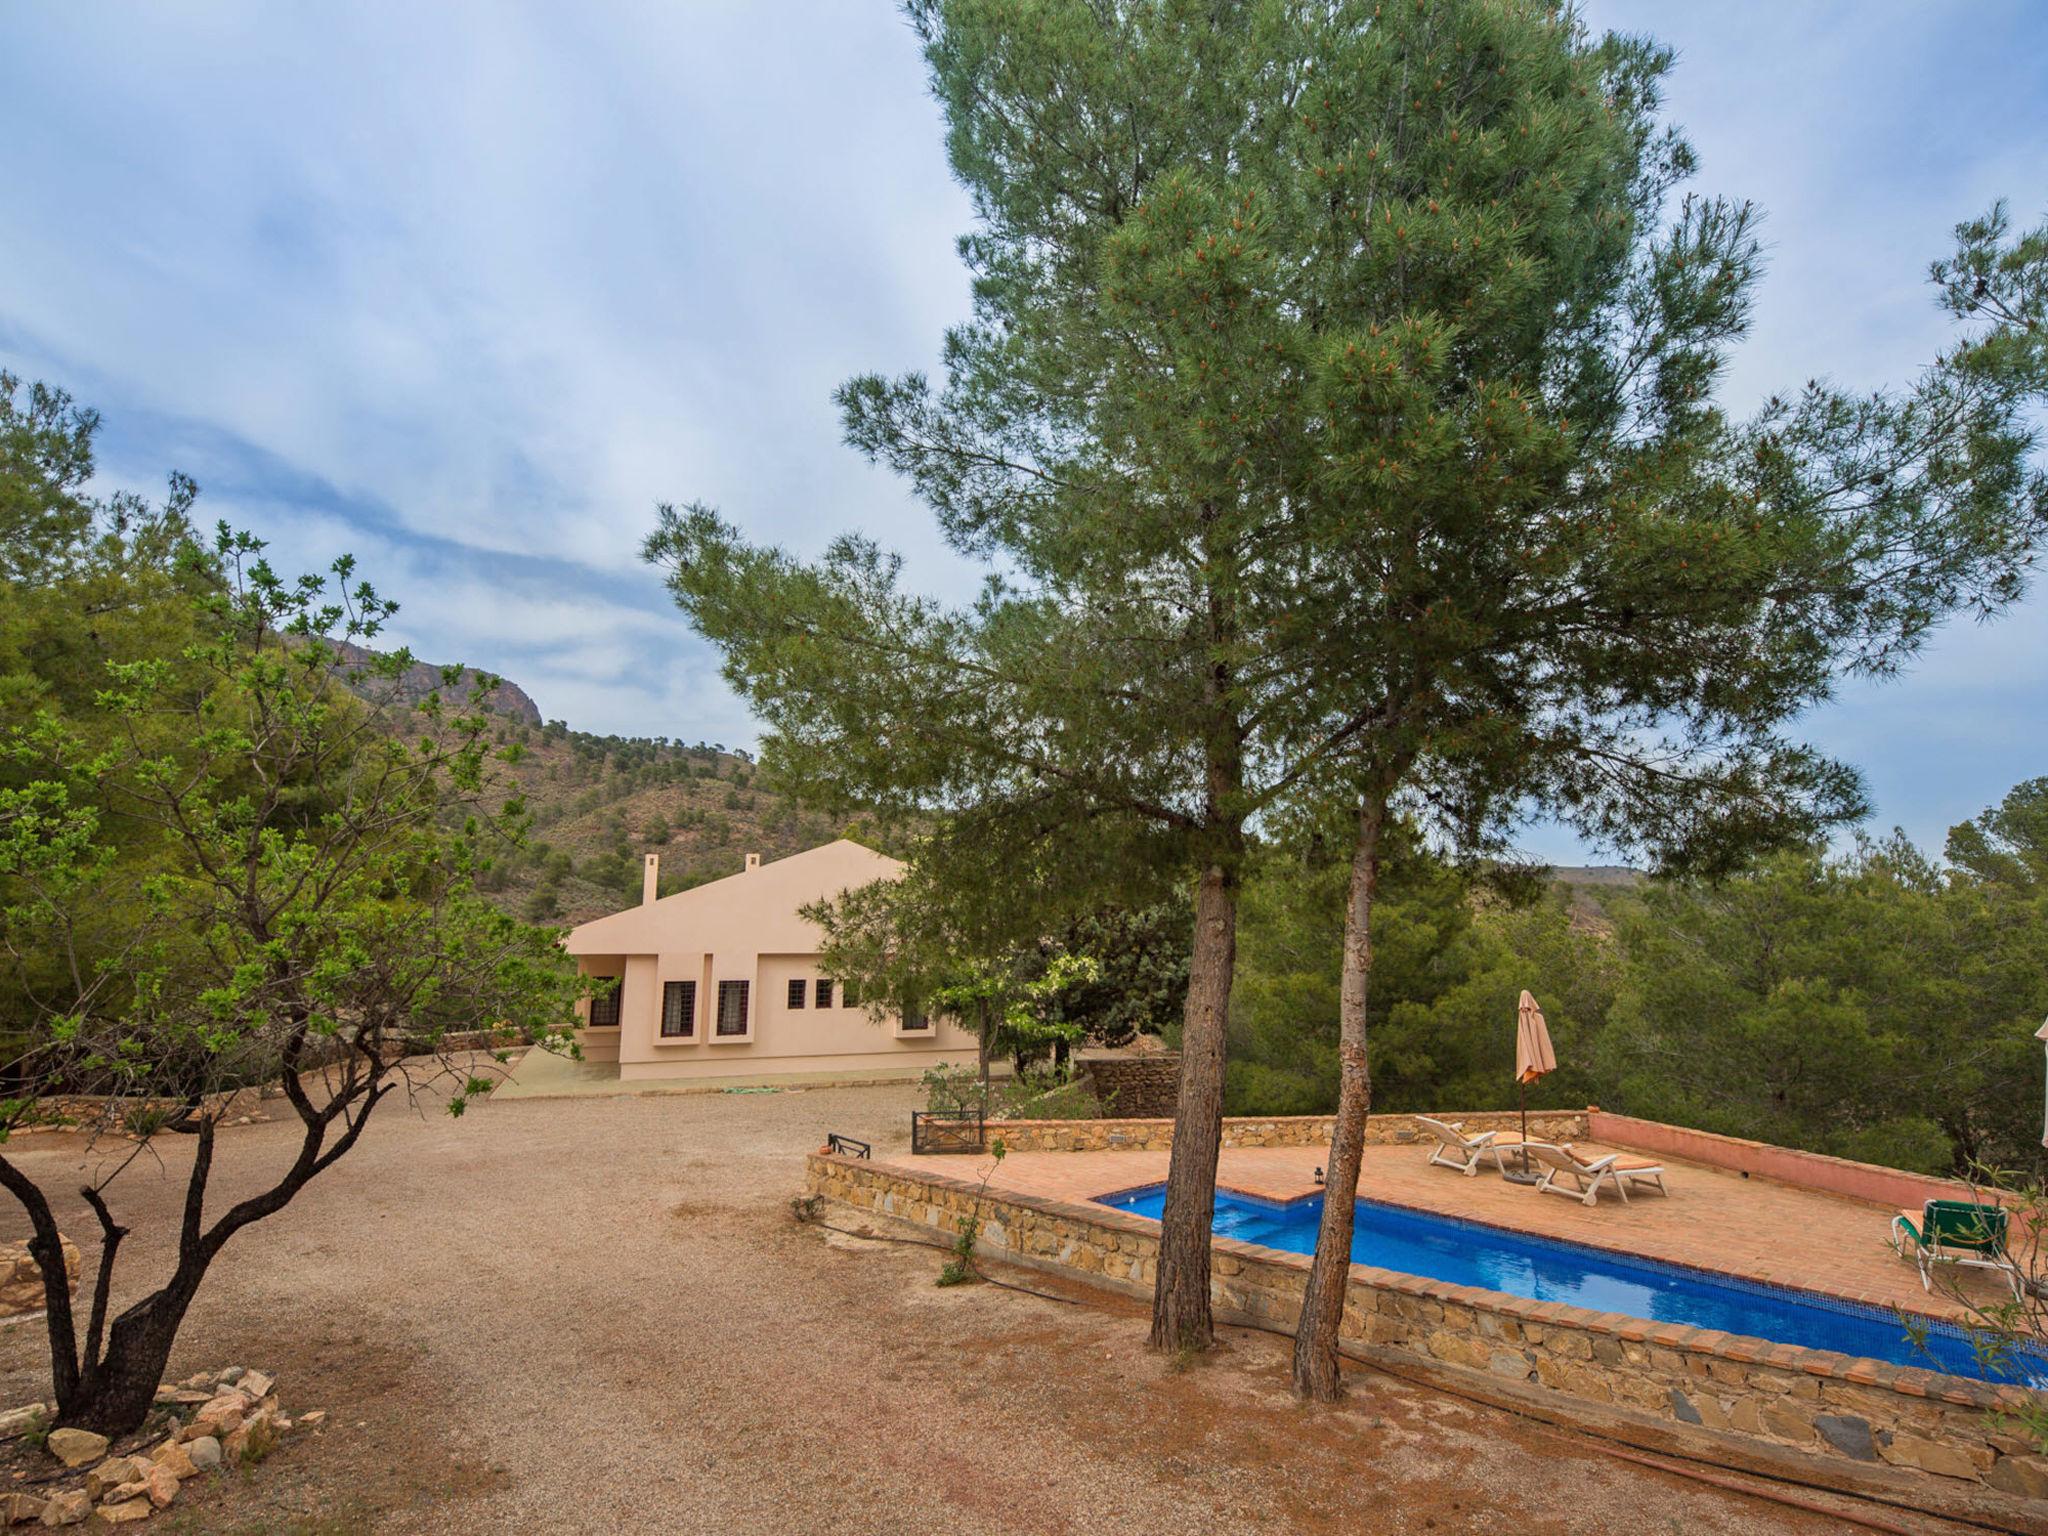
(757, 909)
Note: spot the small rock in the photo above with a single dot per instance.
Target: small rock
(2026, 1476)
(20, 1508)
(252, 1442)
(175, 1459)
(115, 1471)
(313, 1418)
(75, 1447)
(167, 1393)
(1847, 1433)
(221, 1415)
(107, 1476)
(71, 1507)
(204, 1451)
(15, 1420)
(203, 1382)
(256, 1384)
(162, 1486)
(229, 1373)
(126, 1511)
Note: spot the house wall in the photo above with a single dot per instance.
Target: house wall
(748, 927)
(780, 1038)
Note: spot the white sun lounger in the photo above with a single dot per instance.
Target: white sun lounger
(1613, 1170)
(1454, 1149)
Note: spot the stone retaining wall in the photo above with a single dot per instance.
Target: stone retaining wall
(21, 1277)
(86, 1110)
(1134, 1135)
(1913, 1436)
(75, 1111)
(1138, 1087)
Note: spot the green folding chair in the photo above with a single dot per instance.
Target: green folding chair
(1961, 1233)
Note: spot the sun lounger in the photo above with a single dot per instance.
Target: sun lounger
(1615, 1171)
(1961, 1233)
(1454, 1149)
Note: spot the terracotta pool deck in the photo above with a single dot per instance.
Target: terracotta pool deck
(1712, 1219)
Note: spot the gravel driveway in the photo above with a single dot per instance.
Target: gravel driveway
(599, 1315)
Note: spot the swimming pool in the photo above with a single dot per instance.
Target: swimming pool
(1548, 1269)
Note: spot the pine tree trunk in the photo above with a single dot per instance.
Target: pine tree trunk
(1317, 1375)
(1180, 1298)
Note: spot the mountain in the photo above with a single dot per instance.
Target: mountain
(423, 678)
(600, 804)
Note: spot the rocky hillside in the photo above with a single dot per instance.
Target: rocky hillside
(600, 804)
(423, 678)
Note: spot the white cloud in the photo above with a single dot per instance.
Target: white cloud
(468, 288)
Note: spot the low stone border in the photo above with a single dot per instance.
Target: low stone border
(1892, 1188)
(1135, 1135)
(1912, 1436)
(222, 1420)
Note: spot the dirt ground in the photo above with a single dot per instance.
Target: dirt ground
(600, 1315)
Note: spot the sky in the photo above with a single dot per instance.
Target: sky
(467, 290)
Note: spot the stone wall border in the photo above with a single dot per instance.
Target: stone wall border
(1902, 1434)
(1892, 1188)
(1149, 1135)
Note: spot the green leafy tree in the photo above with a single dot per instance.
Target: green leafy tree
(1141, 984)
(45, 461)
(920, 944)
(1875, 1005)
(222, 867)
(1450, 958)
(1108, 706)
(1575, 586)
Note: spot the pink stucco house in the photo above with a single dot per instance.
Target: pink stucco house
(723, 980)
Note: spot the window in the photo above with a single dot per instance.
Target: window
(914, 1023)
(679, 1010)
(849, 997)
(824, 993)
(796, 994)
(604, 1007)
(732, 1008)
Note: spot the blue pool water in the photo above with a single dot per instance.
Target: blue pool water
(1545, 1269)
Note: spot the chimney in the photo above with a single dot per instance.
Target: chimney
(753, 862)
(650, 879)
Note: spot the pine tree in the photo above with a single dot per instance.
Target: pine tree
(1336, 421)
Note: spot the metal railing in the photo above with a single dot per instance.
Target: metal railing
(846, 1146)
(948, 1130)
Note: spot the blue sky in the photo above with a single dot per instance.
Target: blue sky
(467, 289)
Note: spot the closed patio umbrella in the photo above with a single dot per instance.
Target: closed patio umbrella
(1533, 1058)
(2041, 1035)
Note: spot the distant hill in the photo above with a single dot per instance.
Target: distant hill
(424, 678)
(600, 804)
(1589, 886)
(1597, 874)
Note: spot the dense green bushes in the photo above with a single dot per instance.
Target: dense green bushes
(1876, 1004)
